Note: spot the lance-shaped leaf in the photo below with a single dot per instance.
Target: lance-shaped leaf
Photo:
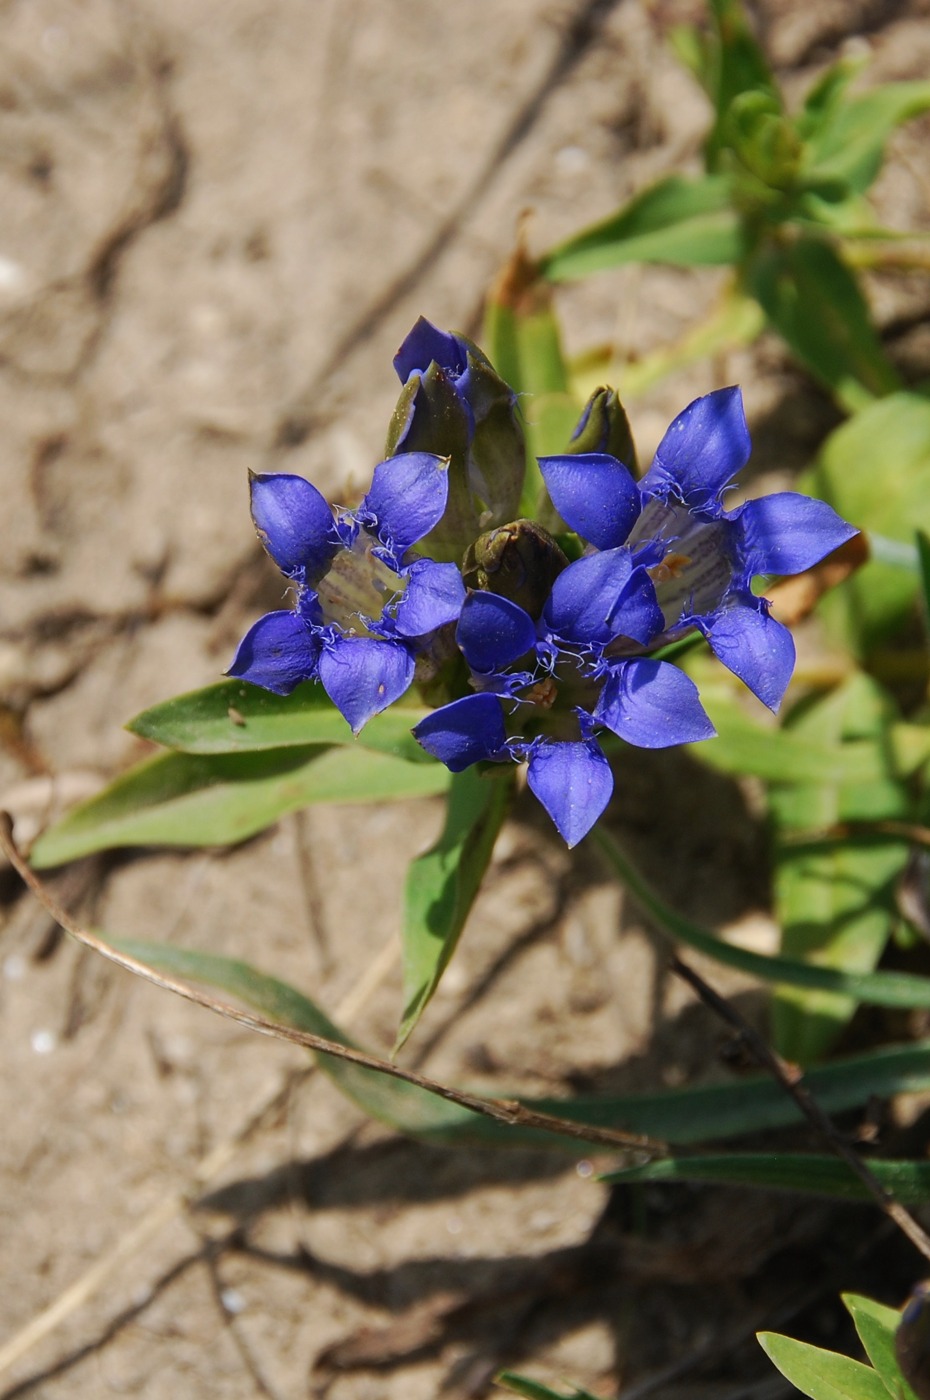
(180, 799)
(834, 898)
(747, 748)
(680, 1115)
(733, 64)
(848, 142)
(872, 988)
(809, 1173)
(688, 223)
(235, 717)
(443, 882)
(814, 302)
(877, 1325)
(822, 1375)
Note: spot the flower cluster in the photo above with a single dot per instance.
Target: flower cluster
(364, 605)
(662, 557)
(556, 652)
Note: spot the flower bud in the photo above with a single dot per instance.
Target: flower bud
(519, 561)
(604, 427)
(455, 405)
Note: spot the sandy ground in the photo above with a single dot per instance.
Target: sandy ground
(218, 221)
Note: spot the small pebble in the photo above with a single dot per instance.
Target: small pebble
(43, 1042)
(14, 967)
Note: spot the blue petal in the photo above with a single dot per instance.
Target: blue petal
(754, 647)
(362, 676)
(653, 705)
(703, 448)
(433, 596)
(574, 783)
(584, 595)
(602, 596)
(493, 632)
(594, 494)
(407, 498)
(277, 653)
(427, 343)
(788, 533)
(464, 732)
(294, 523)
(637, 614)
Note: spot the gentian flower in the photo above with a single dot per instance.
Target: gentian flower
(455, 404)
(701, 557)
(663, 558)
(365, 606)
(565, 677)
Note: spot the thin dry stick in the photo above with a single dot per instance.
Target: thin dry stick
(791, 1078)
(508, 1111)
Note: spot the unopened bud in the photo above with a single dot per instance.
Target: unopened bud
(604, 427)
(454, 404)
(519, 561)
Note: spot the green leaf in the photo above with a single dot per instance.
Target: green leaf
(180, 799)
(875, 470)
(442, 885)
(823, 1375)
(534, 1390)
(680, 1115)
(873, 988)
(923, 554)
(523, 339)
(823, 97)
(406, 1107)
(235, 717)
(814, 302)
(735, 64)
(848, 143)
(876, 1325)
(810, 1173)
(753, 1103)
(748, 748)
(834, 899)
(686, 222)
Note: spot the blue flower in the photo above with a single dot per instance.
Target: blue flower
(663, 557)
(701, 557)
(364, 606)
(544, 688)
